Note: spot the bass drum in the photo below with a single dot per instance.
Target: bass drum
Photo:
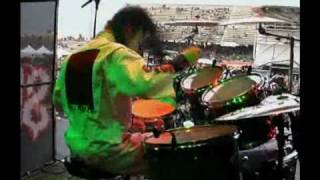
(201, 152)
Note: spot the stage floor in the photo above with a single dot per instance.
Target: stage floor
(58, 172)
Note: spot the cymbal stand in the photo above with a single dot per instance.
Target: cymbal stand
(278, 121)
(291, 40)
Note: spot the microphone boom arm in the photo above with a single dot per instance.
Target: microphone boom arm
(85, 4)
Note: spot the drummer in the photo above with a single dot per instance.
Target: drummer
(95, 86)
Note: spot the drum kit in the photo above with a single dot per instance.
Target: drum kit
(235, 130)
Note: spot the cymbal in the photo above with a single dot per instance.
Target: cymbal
(270, 106)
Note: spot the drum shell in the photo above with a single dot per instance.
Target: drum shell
(248, 97)
(169, 121)
(216, 158)
(214, 110)
(153, 113)
(252, 132)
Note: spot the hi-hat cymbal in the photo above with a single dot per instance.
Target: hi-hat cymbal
(271, 106)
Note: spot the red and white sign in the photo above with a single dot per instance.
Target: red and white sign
(35, 116)
(234, 63)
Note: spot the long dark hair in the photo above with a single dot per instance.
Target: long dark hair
(138, 19)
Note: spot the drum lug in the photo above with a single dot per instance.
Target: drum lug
(244, 158)
(206, 112)
(256, 173)
(236, 135)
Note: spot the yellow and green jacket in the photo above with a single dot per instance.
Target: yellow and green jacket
(117, 76)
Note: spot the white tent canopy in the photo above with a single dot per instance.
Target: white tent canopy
(28, 50)
(251, 20)
(44, 50)
(268, 50)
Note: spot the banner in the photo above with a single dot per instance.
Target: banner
(36, 66)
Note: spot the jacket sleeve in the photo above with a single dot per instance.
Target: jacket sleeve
(125, 71)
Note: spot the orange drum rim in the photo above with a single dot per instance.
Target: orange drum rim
(147, 109)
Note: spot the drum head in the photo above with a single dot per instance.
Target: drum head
(204, 77)
(193, 135)
(151, 108)
(234, 87)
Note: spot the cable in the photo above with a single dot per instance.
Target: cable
(46, 168)
(28, 174)
(37, 171)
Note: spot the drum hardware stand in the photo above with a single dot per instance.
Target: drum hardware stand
(283, 160)
(157, 133)
(293, 125)
(290, 156)
(95, 16)
(227, 73)
(291, 39)
(249, 70)
(174, 139)
(294, 119)
(214, 62)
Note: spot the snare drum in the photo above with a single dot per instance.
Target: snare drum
(233, 94)
(200, 152)
(153, 113)
(194, 85)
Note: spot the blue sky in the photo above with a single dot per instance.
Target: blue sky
(74, 20)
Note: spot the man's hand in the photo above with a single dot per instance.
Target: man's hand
(138, 125)
(186, 58)
(192, 54)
